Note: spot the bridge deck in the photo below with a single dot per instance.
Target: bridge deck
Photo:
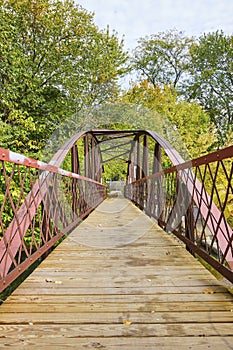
(118, 282)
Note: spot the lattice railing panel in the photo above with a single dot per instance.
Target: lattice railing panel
(194, 200)
(39, 203)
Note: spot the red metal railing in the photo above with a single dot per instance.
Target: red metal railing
(39, 204)
(194, 200)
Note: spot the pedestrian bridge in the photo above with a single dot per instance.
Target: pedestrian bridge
(128, 276)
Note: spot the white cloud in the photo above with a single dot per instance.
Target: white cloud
(137, 18)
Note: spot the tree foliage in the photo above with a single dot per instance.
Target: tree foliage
(184, 124)
(162, 58)
(53, 61)
(200, 70)
(211, 79)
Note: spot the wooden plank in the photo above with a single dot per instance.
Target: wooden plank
(79, 271)
(124, 281)
(191, 306)
(116, 343)
(118, 330)
(122, 299)
(62, 290)
(103, 289)
(117, 317)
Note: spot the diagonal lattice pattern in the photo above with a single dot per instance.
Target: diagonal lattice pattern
(39, 204)
(194, 200)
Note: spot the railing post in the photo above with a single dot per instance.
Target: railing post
(189, 226)
(97, 157)
(145, 171)
(93, 159)
(76, 170)
(145, 168)
(157, 167)
(138, 170)
(131, 163)
(185, 210)
(86, 156)
(86, 171)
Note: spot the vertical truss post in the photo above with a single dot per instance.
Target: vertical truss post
(134, 161)
(131, 163)
(98, 163)
(86, 157)
(157, 167)
(93, 159)
(75, 160)
(75, 169)
(189, 215)
(132, 169)
(157, 164)
(189, 226)
(138, 171)
(129, 168)
(145, 171)
(138, 194)
(145, 167)
(45, 222)
(85, 189)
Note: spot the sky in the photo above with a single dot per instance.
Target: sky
(134, 19)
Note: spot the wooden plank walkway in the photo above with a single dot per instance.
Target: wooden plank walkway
(118, 282)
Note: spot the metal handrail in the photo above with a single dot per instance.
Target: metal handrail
(186, 200)
(40, 203)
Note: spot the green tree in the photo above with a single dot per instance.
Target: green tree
(185, 124)
(211, 79)
(162, 58)
(53, 62)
